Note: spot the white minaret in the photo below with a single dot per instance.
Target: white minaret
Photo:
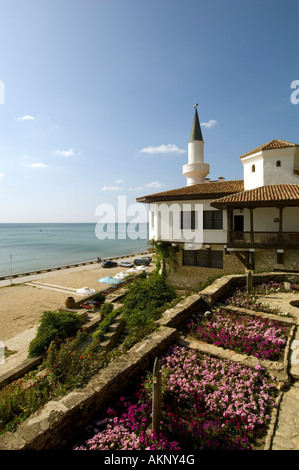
(196, 170)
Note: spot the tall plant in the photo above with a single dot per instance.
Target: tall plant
(166, 258)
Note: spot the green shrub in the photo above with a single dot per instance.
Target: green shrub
(53, 325)
(143, 304)
(147, 295)
(105, 309)
(99, 297)
(109, 316)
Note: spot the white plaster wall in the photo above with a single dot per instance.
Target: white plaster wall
(266, 172)
(283, 174)
(264, 219)
(256, 179)
(290, 221)
(169, 229)
(195, 151)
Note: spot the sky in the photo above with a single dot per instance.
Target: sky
(97, 97)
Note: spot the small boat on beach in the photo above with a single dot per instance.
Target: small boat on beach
(126, 264)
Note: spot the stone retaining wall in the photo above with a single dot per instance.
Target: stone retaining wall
(62, 420)
(225, 284)
(58, 423)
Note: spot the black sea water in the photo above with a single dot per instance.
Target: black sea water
(29, 247)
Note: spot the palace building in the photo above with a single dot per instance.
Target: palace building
(228, 226)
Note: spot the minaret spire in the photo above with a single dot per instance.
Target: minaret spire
(196, 130)
(196, 170)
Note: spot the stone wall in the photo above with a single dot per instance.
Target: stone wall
(189, 277)
(61, 420)
(267, 259)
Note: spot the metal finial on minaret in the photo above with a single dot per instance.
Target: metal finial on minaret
(195, 106)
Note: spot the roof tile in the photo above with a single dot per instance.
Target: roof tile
(210, 190)
(279, 194)
(273, 144)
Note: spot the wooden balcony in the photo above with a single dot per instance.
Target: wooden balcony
(263, 239)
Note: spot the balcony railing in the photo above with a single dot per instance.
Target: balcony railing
(265, 238)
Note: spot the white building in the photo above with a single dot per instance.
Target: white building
(226, 226)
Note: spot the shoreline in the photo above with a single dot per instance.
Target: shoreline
(35, 272)
(24, 301)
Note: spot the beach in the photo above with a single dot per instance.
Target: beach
(23, 302)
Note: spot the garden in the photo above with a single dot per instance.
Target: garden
(251, 335)
(207, 403)
(73, 355)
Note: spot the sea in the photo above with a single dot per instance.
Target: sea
(31, 247)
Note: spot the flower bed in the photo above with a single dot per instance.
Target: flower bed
(242, 299)
(251, 335)
(208, 403)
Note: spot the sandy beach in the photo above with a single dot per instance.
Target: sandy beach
(23, 302)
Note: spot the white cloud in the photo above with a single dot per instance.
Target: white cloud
(1, 175)
(170, 148)
(111, 188)
(209, 124)
(119, 181)
(65, 153)
(137, 188)
(26, 118)
(155, 184)
(37, 165)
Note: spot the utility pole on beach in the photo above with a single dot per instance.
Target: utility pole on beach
(10, 269)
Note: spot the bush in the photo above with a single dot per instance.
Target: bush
(106, 309)
(109, 313)
(147, 295)
(99, 297)
(53, 325)
(143, 303)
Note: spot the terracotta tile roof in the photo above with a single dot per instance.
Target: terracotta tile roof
(211, 190)
(278, 195)
(273, 144)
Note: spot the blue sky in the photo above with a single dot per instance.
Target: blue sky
(98, 96)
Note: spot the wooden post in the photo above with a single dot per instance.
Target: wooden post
(251, 226)
(249, 282)
(229, 225)
(280, 238)
(157, 396)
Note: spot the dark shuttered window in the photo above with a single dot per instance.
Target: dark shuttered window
(212, 220)
(203, 258)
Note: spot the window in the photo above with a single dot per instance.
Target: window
(189, 220)
(278, 163)
(212, 220)
(203, 258)
(253, 169)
